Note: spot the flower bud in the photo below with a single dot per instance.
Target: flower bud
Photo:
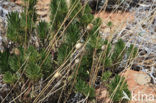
(103, 47)
(16, 51)
(68, 3)
(78, 45)
(89, 27)
(37, 44)
(57, 74)
(77, 61)
(2, 51)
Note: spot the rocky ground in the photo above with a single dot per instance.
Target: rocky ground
(138, 26)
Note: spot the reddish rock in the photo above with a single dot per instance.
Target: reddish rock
(141, 88)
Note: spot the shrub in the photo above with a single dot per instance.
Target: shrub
(39, 50)
(118, 85)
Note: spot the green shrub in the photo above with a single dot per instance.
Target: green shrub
(106, 76)
(25, 57)
(31, 63)
(42, 30)
(4, 61)
(119, 85)
(115, 55)
(9, 78)
(84, 88)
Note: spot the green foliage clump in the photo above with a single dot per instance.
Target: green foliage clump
(14, 31)
(109, 24)
(85, 67)
(85, 89)
(118, 51)
(58, 13)
(33, 58)
(4, 61)
(106, 76)
(33, 71)
(116, 55)
(15, 62)
(117, 86)
(63, 51)
(21, 26)
(86, 17)
(26, 58)
(132, 51)
(9, 78)
(31, 62)
(42, 30)
(73, 34)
